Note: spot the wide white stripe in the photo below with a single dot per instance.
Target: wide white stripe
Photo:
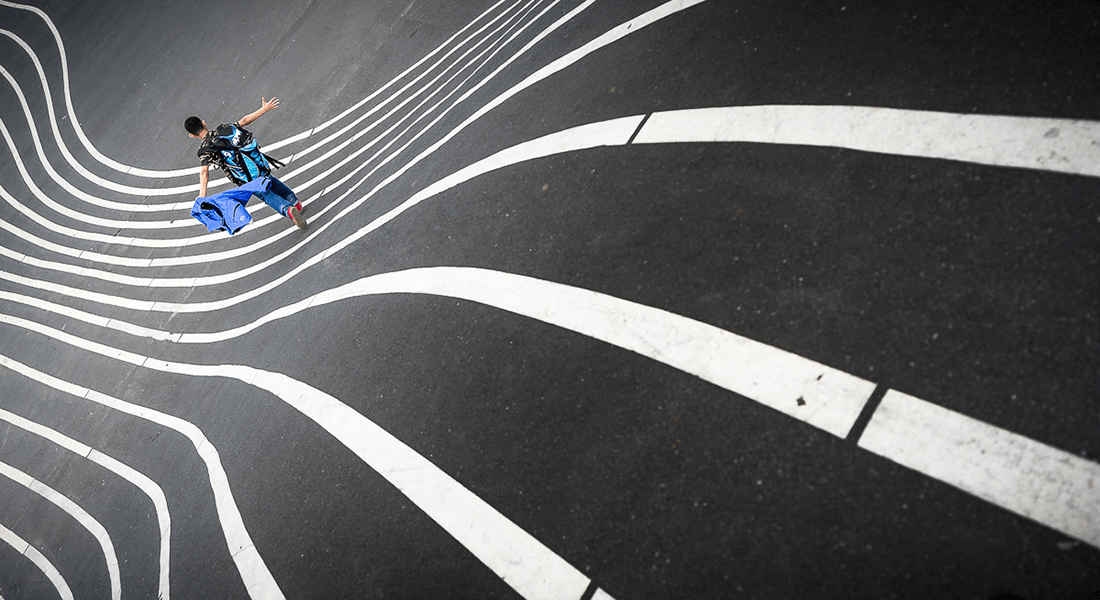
(798, 387)
(1037, 481)
(1059, 145)
(514, 555)
(146, 485)
(81, 516)
(254, 572)
(40, 561)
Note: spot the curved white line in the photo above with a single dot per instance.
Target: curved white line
(513, 554)
(700, 125)
(617, 33)
(146, 485)
(133, 207)
(251, 566)
(25, 548)
(606, 133)
(79, 168)
(190, 171)
(271, 218)
(831, 399)
(86, 520)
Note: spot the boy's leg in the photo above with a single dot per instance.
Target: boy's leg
(279, 197)
(284, 192)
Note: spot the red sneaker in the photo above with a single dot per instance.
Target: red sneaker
(297, 217)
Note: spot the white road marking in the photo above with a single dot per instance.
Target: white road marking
(190, 171)
(40, 561)
(251, 566)
(79, 168)
(599, 134)
(605, 133)
(1034, 480)
(77, 215)
(1058, 145)
(143, 483)
(516, 557)
(830, 399)
(81, 516)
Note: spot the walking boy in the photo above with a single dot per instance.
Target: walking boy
(231, 148)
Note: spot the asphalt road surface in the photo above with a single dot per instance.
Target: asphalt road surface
(689, 299)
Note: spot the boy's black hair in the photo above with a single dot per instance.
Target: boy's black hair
(193, 125)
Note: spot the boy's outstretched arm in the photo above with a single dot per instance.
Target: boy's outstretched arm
(265, 105)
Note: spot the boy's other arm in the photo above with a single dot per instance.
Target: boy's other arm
(265, 105)
(204, 177)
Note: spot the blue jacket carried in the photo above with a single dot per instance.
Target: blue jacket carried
(227, 209)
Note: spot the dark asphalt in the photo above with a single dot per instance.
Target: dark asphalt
(973, 287)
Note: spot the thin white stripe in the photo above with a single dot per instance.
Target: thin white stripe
(1029, 478)
(514, 555)
(77, 215)
(254, 572)
(418, 113)
(40, 561)
(81, 516)
(398, 93)
(606, 133)
(146, 485)
(79, 168)
(1059, 145)
(190, 171)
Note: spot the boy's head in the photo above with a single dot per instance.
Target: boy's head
(194, 126)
